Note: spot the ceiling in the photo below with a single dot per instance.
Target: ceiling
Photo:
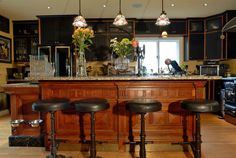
(29, 9)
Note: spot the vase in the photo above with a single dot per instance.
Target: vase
(81, 65)
(121, 64)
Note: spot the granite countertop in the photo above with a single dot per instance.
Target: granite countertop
(18, 85)
(108, 78)
(33, 82)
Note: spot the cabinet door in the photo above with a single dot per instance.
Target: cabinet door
(196, 46)
(214, 23)
(196, 26)
(214, 45)
(177, 27)
(146, 27)
(231, 45)
(56, 30)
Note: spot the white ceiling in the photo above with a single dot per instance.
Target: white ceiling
(29, 9)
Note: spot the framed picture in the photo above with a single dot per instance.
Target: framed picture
(5, 49)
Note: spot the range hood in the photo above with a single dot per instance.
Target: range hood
(230, 26)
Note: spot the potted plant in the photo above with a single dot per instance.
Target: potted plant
(122, 49)
(82, 39)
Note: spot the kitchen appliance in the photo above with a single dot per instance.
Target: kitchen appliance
(213, 70)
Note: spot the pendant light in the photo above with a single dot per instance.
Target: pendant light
(120, 18)
(79, 20)
(163, 20)
(164, 34)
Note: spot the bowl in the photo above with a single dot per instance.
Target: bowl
(16, 123)
(35, 123)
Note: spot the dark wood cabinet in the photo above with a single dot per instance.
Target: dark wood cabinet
(196, 46)
(195, 38)
(177, 27)
(214, 47)
(25, 39)
(104, 31)
(4, 24)
(147, 26)
(230, 37)
(56, 29)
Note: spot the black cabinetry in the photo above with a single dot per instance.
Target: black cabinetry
(56, 29)
(148, 27)
(25, 39)
(104, 31)
(214, 44)
(195, 39)
(230, 37)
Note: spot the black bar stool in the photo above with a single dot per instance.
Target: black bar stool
(51, 106)
(91, 105)
(199, 106)
(143, 106)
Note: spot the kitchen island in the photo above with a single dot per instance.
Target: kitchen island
(115, 125)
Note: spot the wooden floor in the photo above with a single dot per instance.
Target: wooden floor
(218, 136)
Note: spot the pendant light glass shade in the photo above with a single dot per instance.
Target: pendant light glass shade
(164, 34)
(163, 20)
(79, 20)
(120, 18)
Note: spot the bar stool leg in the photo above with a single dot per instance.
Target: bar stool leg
(92, 135)
(198, 137)
(53, 142)
(142, 151)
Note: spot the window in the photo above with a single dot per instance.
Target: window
(157, 50)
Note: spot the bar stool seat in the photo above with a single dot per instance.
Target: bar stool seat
(91, 105)
(142, 106)
(52, 106)
(199, 106)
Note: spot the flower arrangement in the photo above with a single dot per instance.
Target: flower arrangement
(82, 38)
(122, 48)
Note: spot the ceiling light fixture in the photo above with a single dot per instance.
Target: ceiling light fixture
(164, 34)
(163, 20)
(120, 18)
(79, 20)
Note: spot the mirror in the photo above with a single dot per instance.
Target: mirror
(63, 61)
(45, 50)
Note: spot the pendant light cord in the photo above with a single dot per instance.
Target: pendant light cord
(120, 7)
(162, 6)
(79, 7)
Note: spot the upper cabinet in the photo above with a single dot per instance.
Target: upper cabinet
(25, 39)
(230, 37)
(214, 48)
(195, 39)
(104, 31)
(148, 27)
(56, 29)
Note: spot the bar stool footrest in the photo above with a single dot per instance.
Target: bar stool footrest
(138, 142)
(89, 142)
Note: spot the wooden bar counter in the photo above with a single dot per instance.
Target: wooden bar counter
(116, 125)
